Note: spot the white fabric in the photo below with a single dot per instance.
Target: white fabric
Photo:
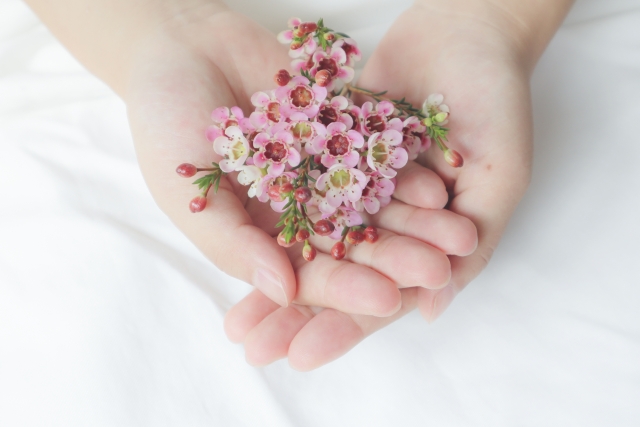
(110, 317)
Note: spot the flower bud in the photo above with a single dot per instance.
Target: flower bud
(309, 252)
(295, 45)
(355, 237)
(329, 37)
(282, 77)
(285, 188)
(298, 33)
(283, 242)
(302, 194)
(198, 204)
(371, 234)
(324, 227)
(338, 251)
(323, 78)
(427, 122)
(302, 235)
(441, 117)
(453, 158)
(308, 27)
(186, 170)
(274, 193)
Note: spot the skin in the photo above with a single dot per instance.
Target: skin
(160, 58)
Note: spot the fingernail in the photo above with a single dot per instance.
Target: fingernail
(271, 285)
(441, 301)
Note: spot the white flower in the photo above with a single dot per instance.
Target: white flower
(234, 147)
(385, 153)
(434, 109)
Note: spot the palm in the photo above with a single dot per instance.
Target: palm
(491, 124)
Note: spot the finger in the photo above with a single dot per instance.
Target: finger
(330, 334)
(343, 285)
(440, 228)
(270, 339)
(421, 187)
(405, 260)
(247, 314)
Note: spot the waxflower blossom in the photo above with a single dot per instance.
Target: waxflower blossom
(223, 118)
(334, 110)
(351, 50)
(379, 119)
(334, 62)
(384, 153)
(303, 130)
(307, 45)
(342, 184)
(299, 96)
(376, 195)
(267, 109)
(275, 148)
(337, 145)
(434, 109)
(309, 150)
(234, 147)
(414, 138)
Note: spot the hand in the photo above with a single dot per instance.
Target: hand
(484, 77)
(209, 57)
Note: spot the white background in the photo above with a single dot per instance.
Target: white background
(110, 317)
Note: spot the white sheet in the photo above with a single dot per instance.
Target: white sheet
(109, 316)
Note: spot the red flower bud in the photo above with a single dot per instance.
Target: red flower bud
(298, 33)
(371, 234)
(308, 27)
(324, 227)
(453, 158)
(302, 235)
(274, 193)
(283, 242)
(338, 251)
(323, 78)
(282, 77)
(295, 45)
(186, 170)
(302, 194)
(309, 252)
(198, 204)
(329, 36)
(285, 188)
(355, 237)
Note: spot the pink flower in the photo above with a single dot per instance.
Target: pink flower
(379, 120)
(341, 184)
(303, 130)
(266, 182)
(267, 109)
(223, 118)
(275, 148)
(384, 152)
(308, 45)
(298, 97)
(344, 217)
(334, 110)
(334, 62)
(234, 147)
(337, 146)
(351, 50)
(376, 195)
(414, 137)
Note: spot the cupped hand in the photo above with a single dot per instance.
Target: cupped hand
(484, 75)
(207, 57)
